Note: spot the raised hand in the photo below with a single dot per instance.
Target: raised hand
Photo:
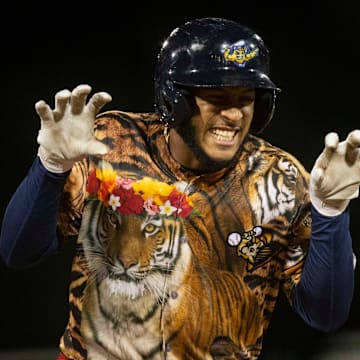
(335, 177)
(66, 134)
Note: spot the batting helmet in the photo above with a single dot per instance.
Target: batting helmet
(212, 52)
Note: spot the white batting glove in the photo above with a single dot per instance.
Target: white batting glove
(66, 133)
(335, 177)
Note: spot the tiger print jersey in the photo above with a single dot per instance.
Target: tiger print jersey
(247, 243)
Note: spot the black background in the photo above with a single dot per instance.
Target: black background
(47, 47)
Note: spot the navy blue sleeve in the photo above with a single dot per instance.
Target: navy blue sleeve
(28, 232)
(324, 294)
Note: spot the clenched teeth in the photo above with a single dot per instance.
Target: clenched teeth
(223, 134)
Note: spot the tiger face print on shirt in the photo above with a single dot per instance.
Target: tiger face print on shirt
(148, 298)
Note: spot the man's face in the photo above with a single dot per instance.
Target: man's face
(221, 121)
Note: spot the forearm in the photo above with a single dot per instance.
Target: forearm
(324, 295)
(28, 233)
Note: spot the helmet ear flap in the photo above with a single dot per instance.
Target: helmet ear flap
(264, 109)
(177, 105)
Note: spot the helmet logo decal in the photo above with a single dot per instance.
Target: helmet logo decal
(239, 53)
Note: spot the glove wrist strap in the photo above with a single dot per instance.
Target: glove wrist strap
(328, 207)
(51, 165)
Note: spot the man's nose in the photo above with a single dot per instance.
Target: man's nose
(232, 113)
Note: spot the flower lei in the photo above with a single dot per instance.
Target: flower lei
(129, 196)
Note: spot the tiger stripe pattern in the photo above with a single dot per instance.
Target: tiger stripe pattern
(266, 188)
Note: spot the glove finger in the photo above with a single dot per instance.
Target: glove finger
(331, 143)
(354, 138)
(317, 176)
(78, 98)
(352, 152)
(61, 101)
(98, 101)
(44, 111)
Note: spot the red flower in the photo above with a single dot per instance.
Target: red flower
(93, 183)
(179, 200)
(130, 202)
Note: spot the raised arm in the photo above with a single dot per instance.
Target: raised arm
(324, 295)
(28, 232)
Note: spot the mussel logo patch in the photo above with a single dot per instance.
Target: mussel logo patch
(239, 53)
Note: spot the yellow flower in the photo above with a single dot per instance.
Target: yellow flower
(149, 188)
